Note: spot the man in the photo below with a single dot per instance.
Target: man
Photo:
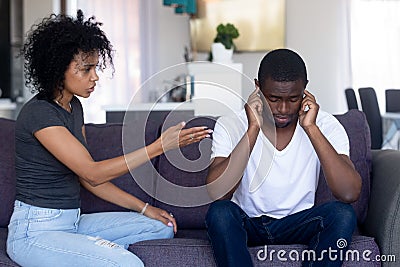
(265, 168)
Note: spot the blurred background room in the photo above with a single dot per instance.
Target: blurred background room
(345, 44)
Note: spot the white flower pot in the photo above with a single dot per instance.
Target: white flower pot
(221, 54)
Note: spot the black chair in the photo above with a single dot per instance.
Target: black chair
(392, 97)
(351, 98)
(370, 107)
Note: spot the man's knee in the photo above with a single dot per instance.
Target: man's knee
(343, 214)
(222, 212)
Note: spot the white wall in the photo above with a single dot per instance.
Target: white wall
(33, 12)
(174, 35)
(318, 31)
(164, 36)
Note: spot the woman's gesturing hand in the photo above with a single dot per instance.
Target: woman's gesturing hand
(176, 136)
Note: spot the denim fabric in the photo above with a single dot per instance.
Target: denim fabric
(54, 237)
(326, 230)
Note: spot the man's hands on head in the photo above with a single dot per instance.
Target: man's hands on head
(254, 109)
(308, 111)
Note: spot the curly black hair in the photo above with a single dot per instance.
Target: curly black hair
(51, 46)
(282, 65)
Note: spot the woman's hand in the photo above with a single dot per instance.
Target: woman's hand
(176, 136)
(161, 215)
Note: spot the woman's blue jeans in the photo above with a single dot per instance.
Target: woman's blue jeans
(55, 237)
(326, 227)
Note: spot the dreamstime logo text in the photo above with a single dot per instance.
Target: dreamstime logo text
(330, 254)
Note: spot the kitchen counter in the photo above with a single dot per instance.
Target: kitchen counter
(165, 106)
(157, 112)
(7, 108)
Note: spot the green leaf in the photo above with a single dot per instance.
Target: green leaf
(226, 34)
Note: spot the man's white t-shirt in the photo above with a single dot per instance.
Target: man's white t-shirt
(277, 183)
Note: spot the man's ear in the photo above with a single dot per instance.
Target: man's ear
(305, 84)
(257, 84)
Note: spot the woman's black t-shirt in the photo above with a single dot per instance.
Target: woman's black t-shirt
(42, 180)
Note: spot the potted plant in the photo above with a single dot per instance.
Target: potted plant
(223, 46)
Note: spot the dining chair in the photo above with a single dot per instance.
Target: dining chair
(351, 98)
(392, 97)
(370, 106)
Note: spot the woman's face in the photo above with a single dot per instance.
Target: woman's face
(81, 76)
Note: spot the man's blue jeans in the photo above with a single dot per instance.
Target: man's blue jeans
(53, 237)
(321, 228)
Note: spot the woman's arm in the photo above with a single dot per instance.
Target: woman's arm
(117, 196)
(67, 149)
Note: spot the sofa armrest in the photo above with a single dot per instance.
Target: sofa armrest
(383, 218)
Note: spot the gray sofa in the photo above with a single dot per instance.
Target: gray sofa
(377, 209)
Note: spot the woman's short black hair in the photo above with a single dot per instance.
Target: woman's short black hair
(51, 46)
(282, 65)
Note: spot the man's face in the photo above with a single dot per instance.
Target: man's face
(284, 100)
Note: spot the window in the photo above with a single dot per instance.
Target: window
(121, 25)
(375, 45)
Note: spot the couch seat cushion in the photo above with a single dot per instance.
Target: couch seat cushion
(7, 170)
(4, 259)
(198, 252)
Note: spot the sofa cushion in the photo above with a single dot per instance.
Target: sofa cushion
(111, 140)
(198, 252)
(7, 170)
(4, 259)
(180, 187)
(357, 129)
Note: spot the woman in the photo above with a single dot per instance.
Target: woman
(52, 160)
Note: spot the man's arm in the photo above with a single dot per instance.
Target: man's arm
(225, 174)
(340, 174)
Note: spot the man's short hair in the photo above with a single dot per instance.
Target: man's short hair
(282, 65)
